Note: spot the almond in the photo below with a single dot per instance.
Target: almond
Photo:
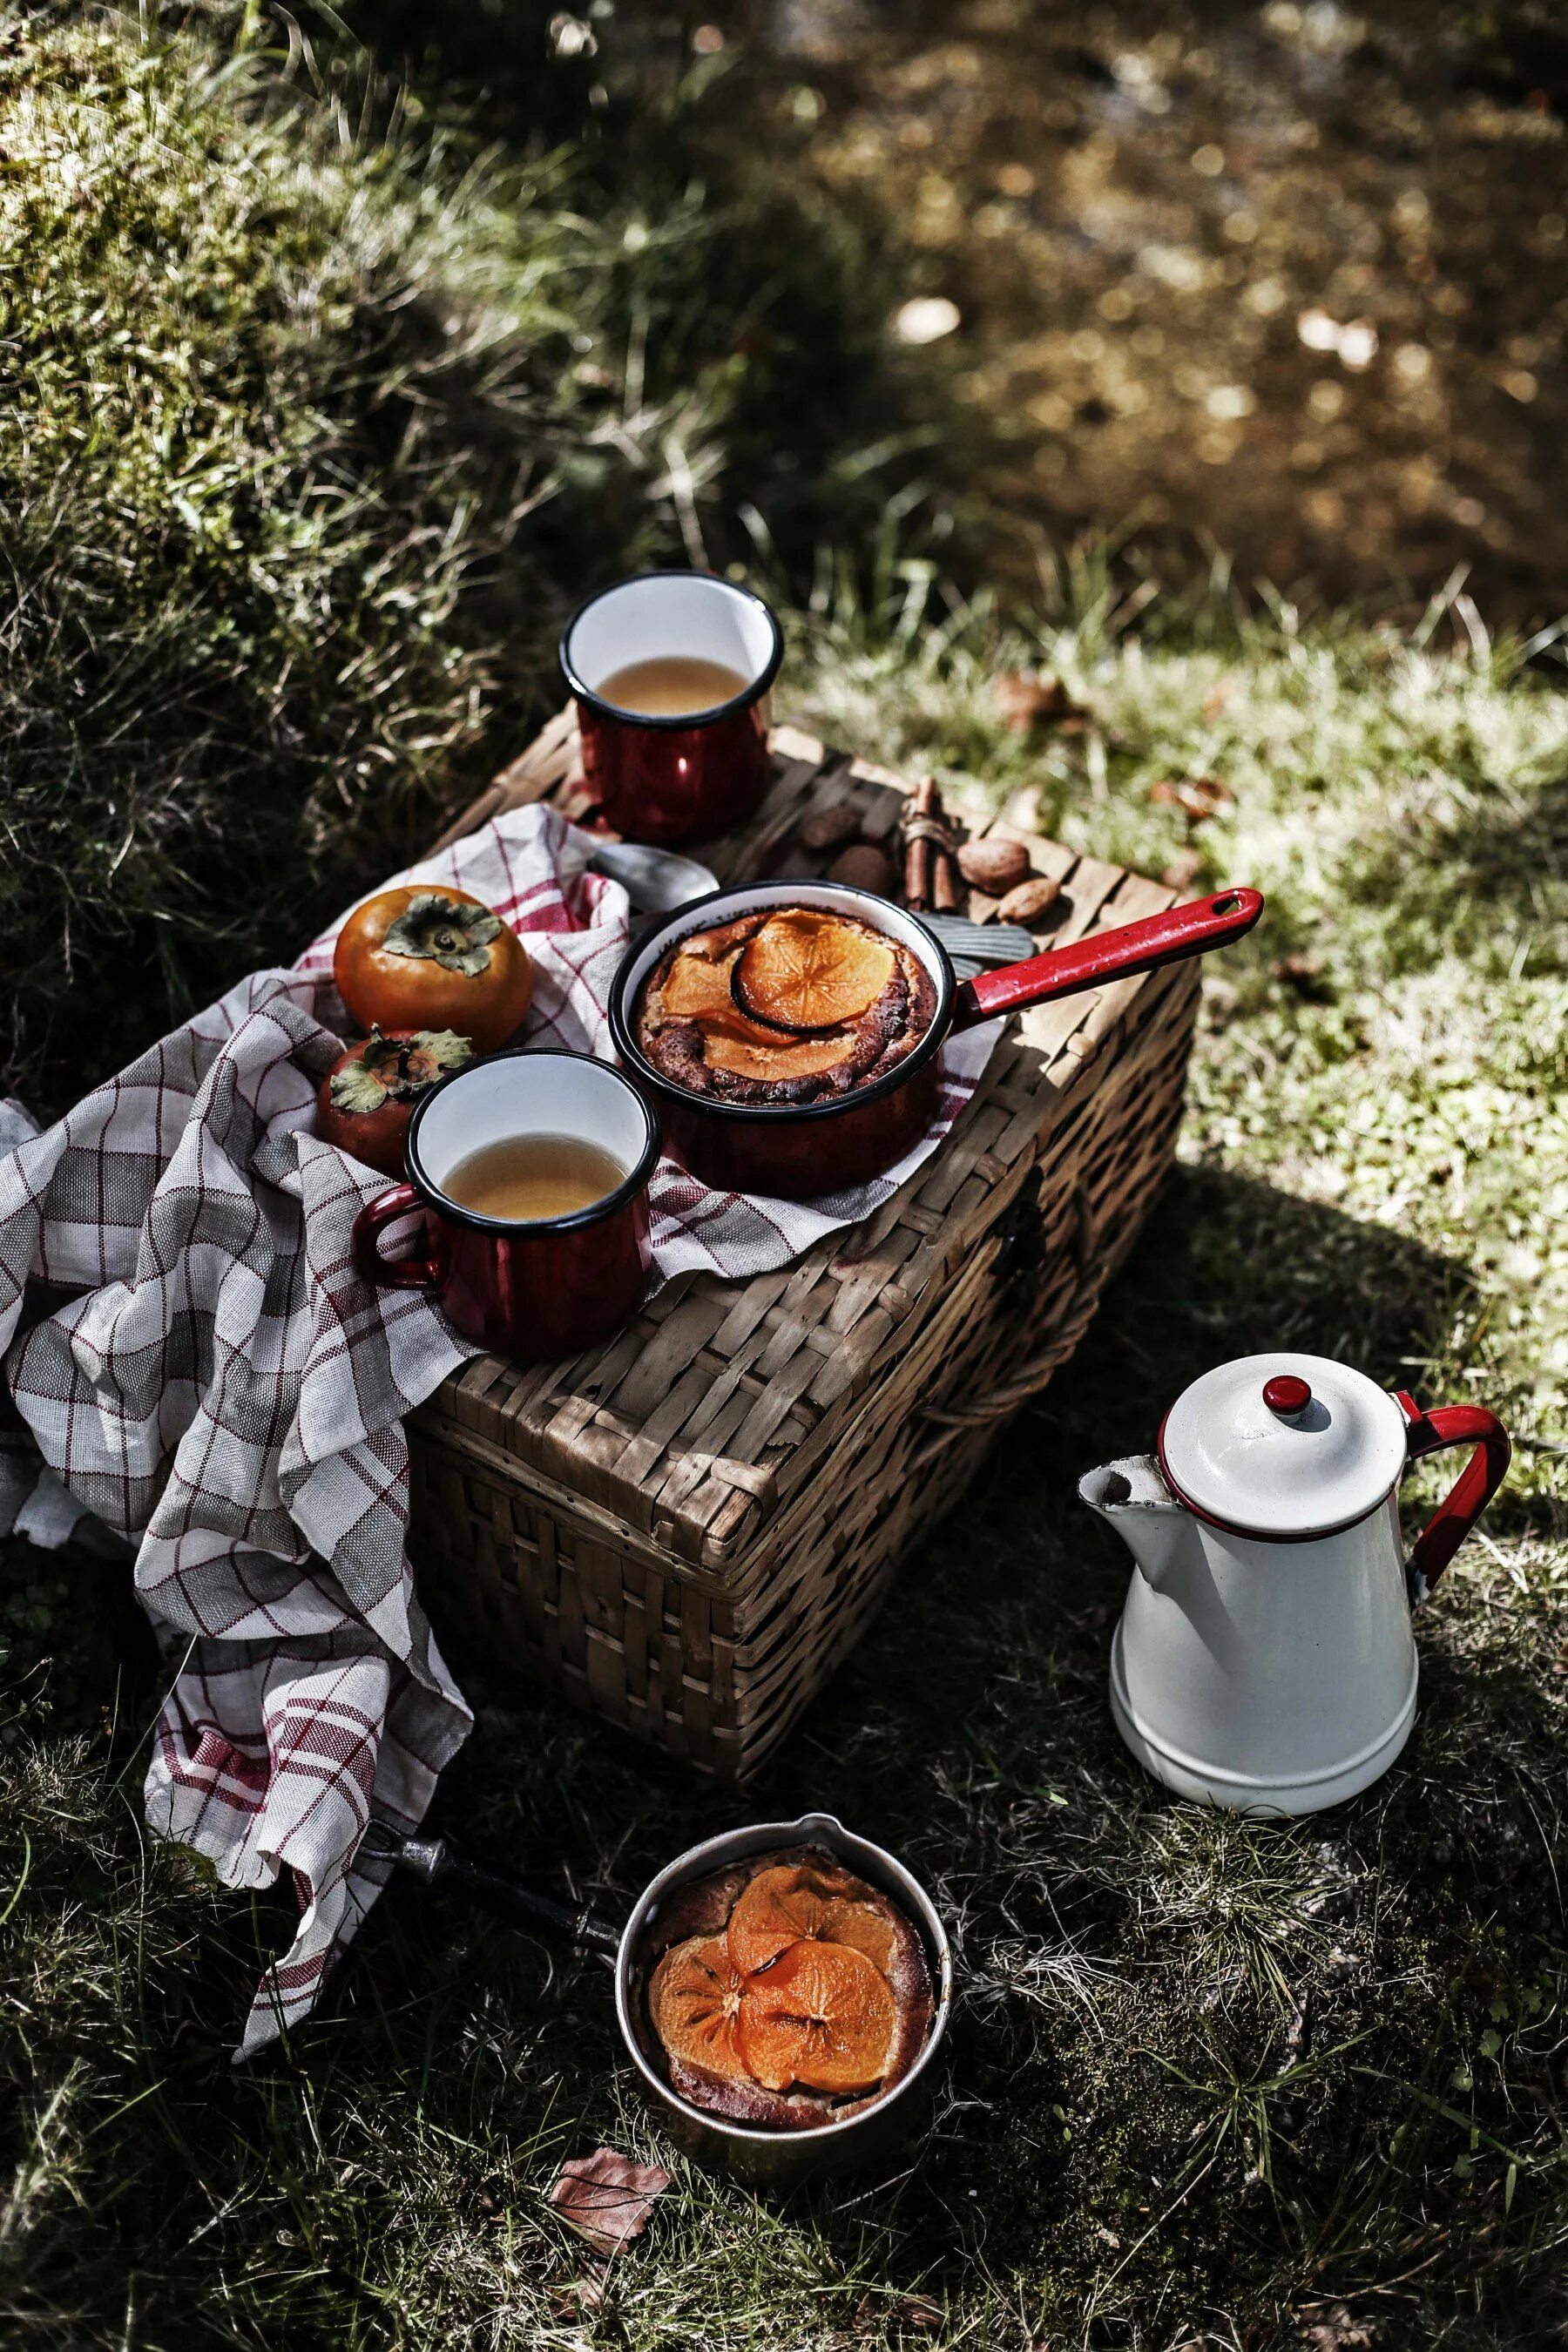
(1029, 901)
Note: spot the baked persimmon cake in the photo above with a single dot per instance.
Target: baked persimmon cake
(786, 1992)
(786, 1004)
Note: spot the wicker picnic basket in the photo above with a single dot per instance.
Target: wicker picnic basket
(688, 1528)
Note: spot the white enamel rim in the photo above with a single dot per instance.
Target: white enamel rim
(743, 899)
(654, 614)
(641, 1121)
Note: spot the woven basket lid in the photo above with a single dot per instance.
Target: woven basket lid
(1283, 1444)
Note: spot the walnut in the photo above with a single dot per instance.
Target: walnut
(864, 867)
(993, 867)
(829, 829)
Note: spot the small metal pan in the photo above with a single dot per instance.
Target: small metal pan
(801, 1151)
(762, 2159)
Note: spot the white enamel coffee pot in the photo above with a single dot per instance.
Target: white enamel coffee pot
(1265, 1659)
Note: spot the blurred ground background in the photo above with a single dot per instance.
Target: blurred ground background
(331, 376)
(1287, 280)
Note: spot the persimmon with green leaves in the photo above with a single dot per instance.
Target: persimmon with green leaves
(426, 957)
(367, 1098)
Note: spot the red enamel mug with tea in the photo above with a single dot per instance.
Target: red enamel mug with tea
(534, 1288)
(689, 773)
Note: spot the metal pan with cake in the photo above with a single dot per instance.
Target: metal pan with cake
(791, 1033)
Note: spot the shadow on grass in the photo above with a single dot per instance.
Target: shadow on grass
(970, 1734)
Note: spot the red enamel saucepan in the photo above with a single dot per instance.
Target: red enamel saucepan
(798, 1151)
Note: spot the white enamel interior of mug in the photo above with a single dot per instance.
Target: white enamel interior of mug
(531, 1094)
(670, 613)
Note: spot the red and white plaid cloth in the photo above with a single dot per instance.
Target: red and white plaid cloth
(223, 1394)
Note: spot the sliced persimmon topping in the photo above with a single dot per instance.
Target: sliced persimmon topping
(793, 1901)
(697, 989)
(694, 2002)
(807, 968)
(777, 1060)
(822, 2016)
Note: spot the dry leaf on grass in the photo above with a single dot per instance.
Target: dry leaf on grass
(1304, 973)
(1027, 701)
(1197, 797)
(582, 2296)
(607, 2198)
(914, 2313)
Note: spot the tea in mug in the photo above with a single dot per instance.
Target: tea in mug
(526, 1177)
(672, 686)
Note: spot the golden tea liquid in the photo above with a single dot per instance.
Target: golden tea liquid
(671, 685)
(525, 1177)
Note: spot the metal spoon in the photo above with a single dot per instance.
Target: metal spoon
(661, 882)
(657, 881)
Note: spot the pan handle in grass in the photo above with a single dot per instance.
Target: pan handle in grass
(1170, 938)
(518, 1899)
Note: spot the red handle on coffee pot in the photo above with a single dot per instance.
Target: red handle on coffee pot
(1472, 1490)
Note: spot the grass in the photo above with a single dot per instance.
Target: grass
(320, 406)
(1211, 2081)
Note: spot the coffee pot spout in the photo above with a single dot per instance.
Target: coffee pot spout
(1131, 1497)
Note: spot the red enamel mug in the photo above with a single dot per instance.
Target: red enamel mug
(693, 774)
(534, 1288)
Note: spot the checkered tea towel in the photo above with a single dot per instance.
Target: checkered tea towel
(222, 1393)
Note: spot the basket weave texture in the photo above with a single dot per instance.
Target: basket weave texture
(686, 1528)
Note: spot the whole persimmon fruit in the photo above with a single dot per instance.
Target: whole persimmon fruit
(419, 957)
(367, 1098)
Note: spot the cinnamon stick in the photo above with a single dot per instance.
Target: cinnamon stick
(944, 891)
(918, 847)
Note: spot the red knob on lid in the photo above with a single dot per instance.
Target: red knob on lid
(1287, 1394)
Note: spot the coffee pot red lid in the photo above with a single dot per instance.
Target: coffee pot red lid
(1283, 1444)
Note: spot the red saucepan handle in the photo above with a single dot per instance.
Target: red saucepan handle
(1170, 938)
(400, 1273)
(1477, 1482)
